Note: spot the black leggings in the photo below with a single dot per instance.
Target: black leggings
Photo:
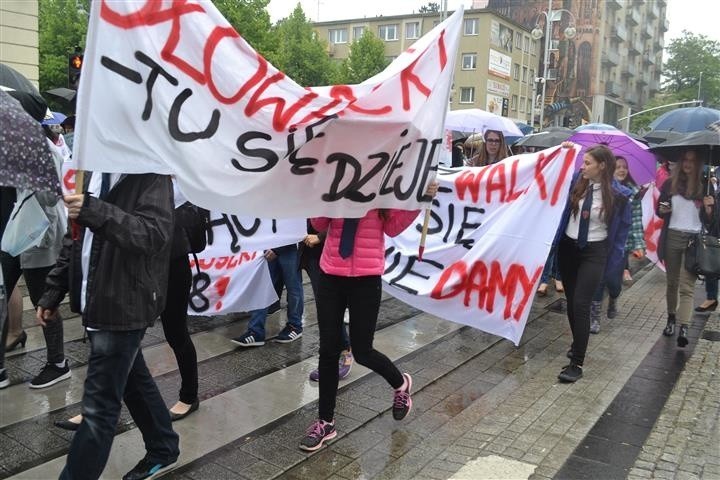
(174, 322)
(362, 296)
(582, 272)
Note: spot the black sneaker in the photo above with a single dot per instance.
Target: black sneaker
(4, 380)
(146, 469)
(317, 434)
(288, 334)
(402, 402)
(682, 339)
(248, 339)
(571, 373)
(50, 375)
(612, 310)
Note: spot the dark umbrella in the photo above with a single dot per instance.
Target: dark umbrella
(63, 93)
(640, 161)
(24, 91)
(705, 142)
(544, 139)
(662, 136)
(25, 158)
(686, 120)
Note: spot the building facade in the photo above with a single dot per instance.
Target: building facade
(611, 67)
(19, 45)
(496, 60)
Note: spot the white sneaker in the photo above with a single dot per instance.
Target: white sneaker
(346, 317)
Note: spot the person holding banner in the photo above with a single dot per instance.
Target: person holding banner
(680, 206)
(351, 264)
(116, 272)
(491, 151)
(591, 244)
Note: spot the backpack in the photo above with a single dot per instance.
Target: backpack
(195, 221)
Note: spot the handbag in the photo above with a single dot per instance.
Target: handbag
(702, 256)
(26, 226)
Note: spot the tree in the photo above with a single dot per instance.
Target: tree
(299, 53)
(431, 7)
(251, 20)
(62, 28)
(689, 57)
(367, 58)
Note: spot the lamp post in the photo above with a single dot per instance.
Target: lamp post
(537, 34)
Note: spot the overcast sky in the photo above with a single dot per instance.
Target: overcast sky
(697, 16)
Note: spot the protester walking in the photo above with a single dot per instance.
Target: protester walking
(635, 246)
(713, 228)
(591, 244)
(684, 210)
(351, 264)
(116, 274)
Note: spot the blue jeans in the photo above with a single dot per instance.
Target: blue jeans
(285, 266)
(711, 288)
(551, 268)
(116, 372)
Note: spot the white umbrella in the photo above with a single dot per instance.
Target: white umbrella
(476, 120)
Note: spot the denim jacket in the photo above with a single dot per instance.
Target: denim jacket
(618, 228)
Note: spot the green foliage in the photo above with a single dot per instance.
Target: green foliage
(251, 19)
(367, 58)
(299, 53)
(431, 7)
(62, 27)
(639, 123)
(688, 57)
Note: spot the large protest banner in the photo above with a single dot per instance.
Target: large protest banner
(170, 87)
(652, 225)
(231, 274)
(490, 233)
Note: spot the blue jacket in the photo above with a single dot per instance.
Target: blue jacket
(618, 230)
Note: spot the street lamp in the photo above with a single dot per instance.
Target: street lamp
(537, 33)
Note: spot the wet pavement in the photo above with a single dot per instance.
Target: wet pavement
(482, 407)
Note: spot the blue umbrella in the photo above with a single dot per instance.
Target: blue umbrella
(57, 119)
(595, 126)
(691, 119)
(524, 128)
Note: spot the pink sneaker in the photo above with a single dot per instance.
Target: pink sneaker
(402, 402)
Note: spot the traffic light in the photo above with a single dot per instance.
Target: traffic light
(75, 62)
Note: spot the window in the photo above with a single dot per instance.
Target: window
(471, 26)
(533, 46)
(529, 105)
(513, 102)
(516, 71)
(532, 75)
(388, 32)
(518, 40)
(525, 74)
(469, 61)
(358, 32)
(523, 100)
(338, 35)
(467, 94)
(526, 44)
(412, 30)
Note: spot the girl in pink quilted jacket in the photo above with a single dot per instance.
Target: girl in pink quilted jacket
(352, 262)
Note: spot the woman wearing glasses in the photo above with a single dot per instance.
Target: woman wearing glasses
(492, 151)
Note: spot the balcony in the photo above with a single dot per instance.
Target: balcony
(648, 31)
(631, 97)
(629, 71)
(614, 4)
(610, 57)
(613, 89)
(633, 16)
(665, 26)
(648, 59)
(619, 33)
(653, 11)
(641, 81)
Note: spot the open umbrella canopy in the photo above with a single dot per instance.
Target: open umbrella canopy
(705, 142)
(662, 136)
(26, 161)
(595, 126)
(691, 119)
(63, 93)
(544, 139)
(24, 91)
(641, 162)
(476, 120)
(57, 119)
(524, 128)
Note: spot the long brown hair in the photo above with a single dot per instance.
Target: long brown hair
(602, 155)
(681, 184)
(482, 158)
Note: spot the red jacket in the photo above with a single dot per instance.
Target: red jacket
(368, 257)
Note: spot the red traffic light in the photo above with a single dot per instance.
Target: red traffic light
(76, 61)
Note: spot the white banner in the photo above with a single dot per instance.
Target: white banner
(171, 87)
(490, 233)
(652, 225)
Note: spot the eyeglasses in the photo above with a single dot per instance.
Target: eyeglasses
(493, 140)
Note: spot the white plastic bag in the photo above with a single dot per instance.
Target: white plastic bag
(27, 225)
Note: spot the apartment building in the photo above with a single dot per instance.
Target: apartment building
(610, 67)
(496, 61)
(19, 45)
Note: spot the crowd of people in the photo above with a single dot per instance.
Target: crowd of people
(137, 230)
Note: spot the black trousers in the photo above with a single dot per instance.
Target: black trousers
(362, 296)
(174, 323)
(582, 272)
